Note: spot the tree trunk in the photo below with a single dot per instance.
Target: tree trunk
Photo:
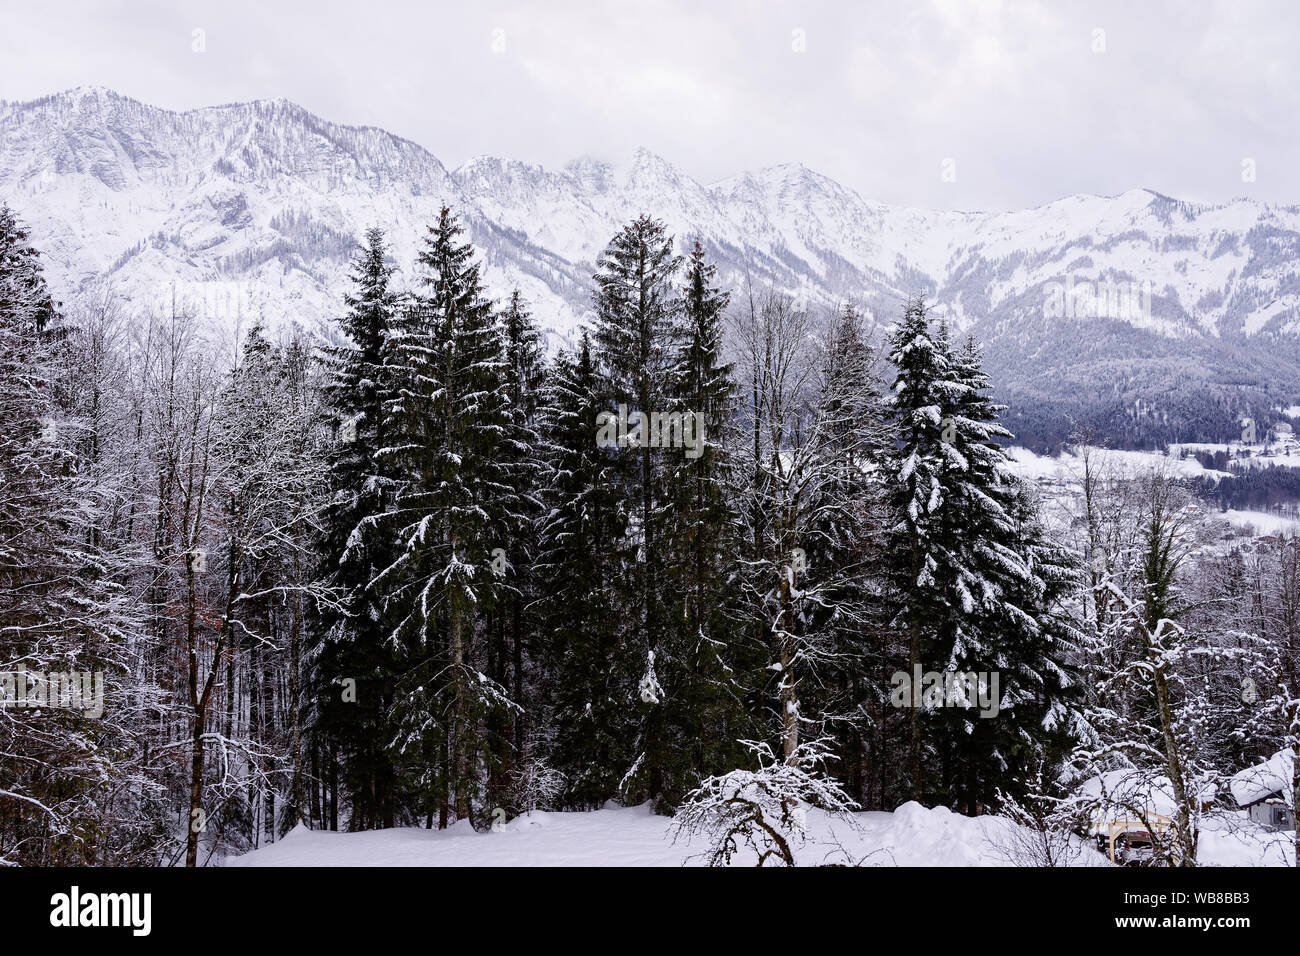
(295, 711)
(460, 756)
(1182, 819)
(914, 712)
(789, 696)
(196, 821)
(443, 803)
(1295, 784)
(517, 670)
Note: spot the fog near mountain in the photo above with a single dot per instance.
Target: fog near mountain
(1149, 318)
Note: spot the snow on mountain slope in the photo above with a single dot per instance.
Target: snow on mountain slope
(1211, 269)
(243, 209)
(253, 208)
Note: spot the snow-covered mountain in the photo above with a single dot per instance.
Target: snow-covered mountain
(254, 208)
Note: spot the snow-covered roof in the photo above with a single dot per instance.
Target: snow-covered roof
(1274, 775)
(1122, 794)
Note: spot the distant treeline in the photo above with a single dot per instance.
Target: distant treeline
(1259, 489)
(1182, 416)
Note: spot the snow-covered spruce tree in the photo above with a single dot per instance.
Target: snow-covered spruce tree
(446, 425)
(637, 310)
(972, 596)
(65, 614)
(699, 658)
(354, 667)
(585, 561)
(915, 482)
(25, 300)
(1007, 617)
(509, 623)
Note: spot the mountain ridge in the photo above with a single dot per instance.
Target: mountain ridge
(269, 195)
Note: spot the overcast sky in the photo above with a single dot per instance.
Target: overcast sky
(1030, 101)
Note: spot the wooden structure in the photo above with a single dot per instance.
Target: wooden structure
(1123, 832)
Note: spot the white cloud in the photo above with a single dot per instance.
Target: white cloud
(884, 90)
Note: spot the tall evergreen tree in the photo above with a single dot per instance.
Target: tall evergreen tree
(915, 486)
(447, 420)
(354, 664)
(511, 621)
(585, 562)
(701, 658)
(972, 597)
(636, 315)
(1006, 618)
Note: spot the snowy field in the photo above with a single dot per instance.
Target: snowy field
(1067, 468)
(633, 836)
(1065, 471)
(1262, 522)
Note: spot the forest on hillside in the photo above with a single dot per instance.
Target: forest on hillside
(432, 573)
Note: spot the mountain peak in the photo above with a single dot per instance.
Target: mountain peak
(789, 178)
(482, 162)
(99, 92)
(592, 175)
(269, 193)
(649, 170)
(497, 172)
(281, 104)
(791, 170)
(642, 156)
(1139, 194)
(76, 96)
(647, 163)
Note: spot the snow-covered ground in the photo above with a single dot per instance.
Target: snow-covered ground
(1067, 468)
(912, 835)
(1232, 840)
(1063, 474)
(1262, 522)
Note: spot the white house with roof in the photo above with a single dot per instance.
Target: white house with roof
(1266, 791)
